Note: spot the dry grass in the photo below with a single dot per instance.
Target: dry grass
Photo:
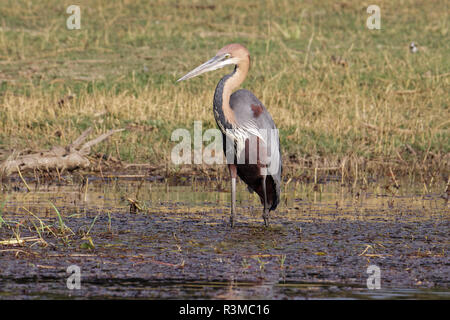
(375, 105)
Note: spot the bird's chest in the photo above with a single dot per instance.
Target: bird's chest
(243, 147)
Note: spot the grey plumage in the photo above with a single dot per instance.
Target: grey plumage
(250, 137)
(241, 102)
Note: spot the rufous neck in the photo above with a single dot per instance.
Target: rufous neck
(225, 88)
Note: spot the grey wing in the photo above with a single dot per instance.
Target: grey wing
(247, 108)
(252, 116)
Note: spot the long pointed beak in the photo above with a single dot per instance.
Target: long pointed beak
(210, 65)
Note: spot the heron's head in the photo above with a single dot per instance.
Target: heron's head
(234, 53)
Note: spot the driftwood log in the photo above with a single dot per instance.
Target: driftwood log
(71, 157)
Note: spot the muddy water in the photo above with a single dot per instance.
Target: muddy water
(175, 241)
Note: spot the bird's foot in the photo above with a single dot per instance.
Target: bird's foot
(266, 218)
(231, 221)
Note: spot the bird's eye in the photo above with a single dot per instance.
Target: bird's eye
(227, 56)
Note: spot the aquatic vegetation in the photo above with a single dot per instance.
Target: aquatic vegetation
(316, 242)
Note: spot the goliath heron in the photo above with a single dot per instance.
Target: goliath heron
(249, 133)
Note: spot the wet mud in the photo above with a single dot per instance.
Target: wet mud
(152, 239)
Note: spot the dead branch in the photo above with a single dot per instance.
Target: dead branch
(58, 158)
(78, 141)
(86, 148)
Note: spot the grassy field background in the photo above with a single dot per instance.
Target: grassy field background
(374, 103)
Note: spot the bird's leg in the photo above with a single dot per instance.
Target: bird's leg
(233, 201)
(266, 207)
(233, 173)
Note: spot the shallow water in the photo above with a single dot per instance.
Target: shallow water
(176, 243)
